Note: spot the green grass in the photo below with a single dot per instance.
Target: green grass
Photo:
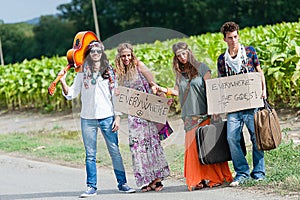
(56, 146)
(282, 168)
(66, 147)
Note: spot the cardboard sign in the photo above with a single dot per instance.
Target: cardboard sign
(234, 93)
(141, 104)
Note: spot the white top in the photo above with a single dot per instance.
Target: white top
(96, 100)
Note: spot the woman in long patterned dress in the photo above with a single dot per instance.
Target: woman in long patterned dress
(149, 163)
(190, 86)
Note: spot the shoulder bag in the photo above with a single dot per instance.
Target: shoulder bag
(267, 128)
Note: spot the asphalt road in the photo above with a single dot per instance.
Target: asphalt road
(27, 179)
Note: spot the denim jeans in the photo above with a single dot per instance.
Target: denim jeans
(235, 123)
(89, 129)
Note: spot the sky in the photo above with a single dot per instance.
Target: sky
(13, 11)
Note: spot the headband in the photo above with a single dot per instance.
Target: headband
(95, 44)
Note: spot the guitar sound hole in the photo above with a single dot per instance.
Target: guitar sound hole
(77, 42)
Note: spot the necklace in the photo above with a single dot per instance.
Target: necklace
(95, 77)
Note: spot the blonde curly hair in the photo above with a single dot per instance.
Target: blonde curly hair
(125, 73)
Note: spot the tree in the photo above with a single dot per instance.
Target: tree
(53, 36)
(13, 38)
(81, 13)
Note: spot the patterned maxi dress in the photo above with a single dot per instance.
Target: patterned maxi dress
(148, 156)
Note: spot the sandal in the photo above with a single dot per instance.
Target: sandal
(217, 184)
(202, 184)
(205, 183)
(199, 186)
(158, 186)
(146, 188)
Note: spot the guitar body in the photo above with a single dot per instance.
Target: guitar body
(80, 44)
(75, 56)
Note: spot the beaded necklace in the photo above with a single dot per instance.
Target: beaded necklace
(95, 77)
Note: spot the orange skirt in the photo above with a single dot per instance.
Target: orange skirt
(195, 172)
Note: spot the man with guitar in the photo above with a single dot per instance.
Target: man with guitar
(96, 83)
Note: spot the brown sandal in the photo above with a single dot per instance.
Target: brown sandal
(202, 184)
(146, 188)
(217, 184)
(158, 186)
(205, 183)
(199, 186)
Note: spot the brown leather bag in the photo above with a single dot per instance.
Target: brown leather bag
(267, 128)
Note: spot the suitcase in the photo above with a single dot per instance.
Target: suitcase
(212, 143)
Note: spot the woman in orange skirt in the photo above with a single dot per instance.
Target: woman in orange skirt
(190, 86)
(210, 175)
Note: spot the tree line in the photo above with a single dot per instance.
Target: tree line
(53, 35)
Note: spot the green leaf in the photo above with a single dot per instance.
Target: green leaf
(297, 48)
(278, 76)
(295, 78)
(278, 57)
(271, 70)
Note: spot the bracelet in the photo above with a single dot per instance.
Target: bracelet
(169, 91)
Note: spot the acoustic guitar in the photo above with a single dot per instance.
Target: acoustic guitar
(75, 56)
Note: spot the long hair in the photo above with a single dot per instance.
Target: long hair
(88, 64)
(104, 63)
(125, 73)
(191, 66)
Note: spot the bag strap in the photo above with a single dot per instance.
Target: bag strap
(267, 105)
(186, 91)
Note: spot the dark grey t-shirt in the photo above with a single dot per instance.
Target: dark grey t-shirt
(195, 103)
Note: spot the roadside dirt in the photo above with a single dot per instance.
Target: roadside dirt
(11, 122)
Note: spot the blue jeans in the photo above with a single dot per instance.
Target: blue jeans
(235, 123)
(89, 129)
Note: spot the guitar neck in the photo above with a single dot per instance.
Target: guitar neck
(52, 87)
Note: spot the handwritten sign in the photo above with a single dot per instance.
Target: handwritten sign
(141, 104)
(234, 93)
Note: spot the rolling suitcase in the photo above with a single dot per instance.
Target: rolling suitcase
(212, 143)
